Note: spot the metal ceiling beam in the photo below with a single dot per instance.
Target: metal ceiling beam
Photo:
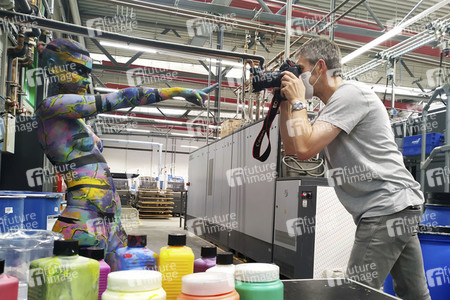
(19, 18)
(374, 16)
(264, 6)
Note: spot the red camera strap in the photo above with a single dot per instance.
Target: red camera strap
(265, 130)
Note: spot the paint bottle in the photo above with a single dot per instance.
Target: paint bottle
(65, 275)
(134, 285)
(207, 260)
(98, 254)
(176, 261)
(137, 256)
(258, 281)
(208, 286)
(224, 264)
(9, 286)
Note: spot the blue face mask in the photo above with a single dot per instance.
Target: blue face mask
(309, 89)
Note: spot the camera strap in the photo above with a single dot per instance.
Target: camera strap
(273, 111)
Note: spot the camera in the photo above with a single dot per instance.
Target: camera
(270, 79)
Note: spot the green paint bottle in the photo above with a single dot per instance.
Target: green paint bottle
(258, 281)
(64, 276)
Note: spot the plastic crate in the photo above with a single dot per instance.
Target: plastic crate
(412, 145)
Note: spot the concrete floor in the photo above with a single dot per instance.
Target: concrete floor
(158, 230)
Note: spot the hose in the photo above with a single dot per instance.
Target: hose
(300, 168)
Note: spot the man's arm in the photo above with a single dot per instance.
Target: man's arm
(297, 134)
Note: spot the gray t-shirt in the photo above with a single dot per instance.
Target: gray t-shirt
(365, 164)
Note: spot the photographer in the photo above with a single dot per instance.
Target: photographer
(354, 130)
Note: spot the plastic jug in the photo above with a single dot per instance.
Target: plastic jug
(136, 256)
(176, 260)
(134, 285)
(224, 264)
(98, 254)
(208, 286)
(258, 281)
(64, 276)
(20, 247)
(9, 286)
(207, 260)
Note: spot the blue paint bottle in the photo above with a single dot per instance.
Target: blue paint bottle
(136, 256)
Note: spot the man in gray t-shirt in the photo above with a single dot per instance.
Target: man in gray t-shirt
(365, 167)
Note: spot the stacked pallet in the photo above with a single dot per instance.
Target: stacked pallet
(155, 203)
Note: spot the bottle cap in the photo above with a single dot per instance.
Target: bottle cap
(207, 284)
(96, 253)
(65, 247)
(225, 258)
(177, 239)
(2, 266)
(137, 240)
(257, 272)
(209, 251)
(134, 281)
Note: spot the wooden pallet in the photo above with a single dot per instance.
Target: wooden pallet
(153, 203)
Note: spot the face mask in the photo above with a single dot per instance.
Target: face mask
(309, 89)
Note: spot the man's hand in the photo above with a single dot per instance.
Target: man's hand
(292, 88)
(197, 97)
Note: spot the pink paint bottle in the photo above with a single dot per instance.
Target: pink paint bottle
(208, 259)
(208, 286)
(98, 254)
(9, 286)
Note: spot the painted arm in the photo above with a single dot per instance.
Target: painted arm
(74, 106)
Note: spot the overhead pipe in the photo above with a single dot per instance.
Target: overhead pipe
(23, 6)
(85, 31)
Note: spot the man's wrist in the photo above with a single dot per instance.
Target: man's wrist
(298, 105)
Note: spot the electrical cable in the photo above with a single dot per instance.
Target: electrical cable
(300, 168)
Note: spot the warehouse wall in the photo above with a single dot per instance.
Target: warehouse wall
(144, 160)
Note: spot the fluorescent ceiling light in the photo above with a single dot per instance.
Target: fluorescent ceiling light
(393, 32)
(137, 130)
(191, 147)
(128, 47)
(106, 90)
(182, 134)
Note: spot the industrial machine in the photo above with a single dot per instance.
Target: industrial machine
(241, 204)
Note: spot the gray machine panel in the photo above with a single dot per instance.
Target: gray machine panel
(313, 231)
(252, 193)
(197, 177)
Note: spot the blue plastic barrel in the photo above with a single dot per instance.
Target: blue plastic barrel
(434, 239)
(11, 212)
(37, 207)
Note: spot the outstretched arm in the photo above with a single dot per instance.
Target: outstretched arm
(74, 106)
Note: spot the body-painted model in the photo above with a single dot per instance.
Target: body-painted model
(92, 215)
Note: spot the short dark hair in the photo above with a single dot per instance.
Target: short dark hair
(321, 48)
